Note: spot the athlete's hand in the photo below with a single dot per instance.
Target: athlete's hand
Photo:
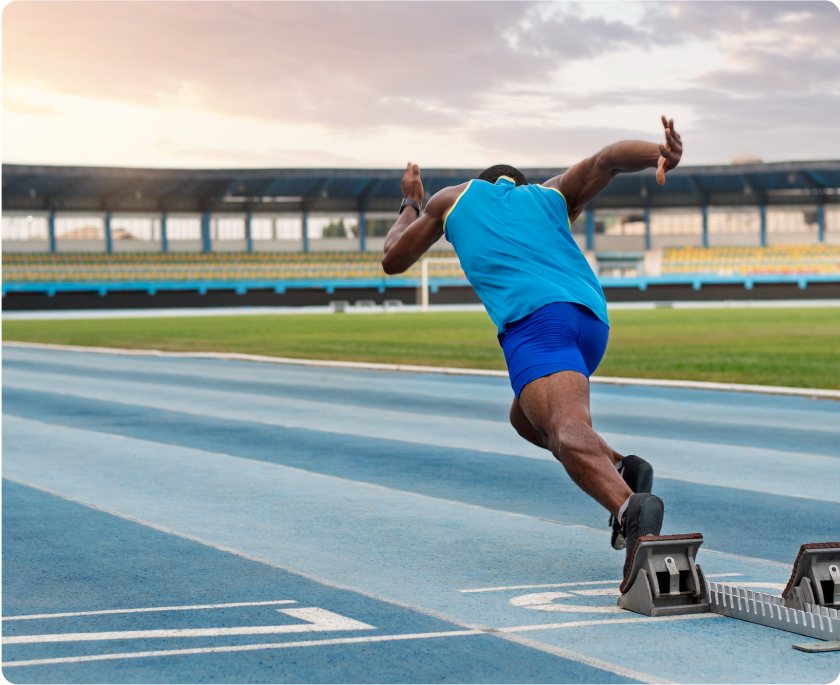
(670, 153)
(412, 186)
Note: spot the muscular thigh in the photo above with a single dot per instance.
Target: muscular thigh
(550, 400)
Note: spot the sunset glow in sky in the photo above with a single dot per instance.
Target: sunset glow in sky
(372, 84)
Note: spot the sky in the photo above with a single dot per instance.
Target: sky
(443, 84)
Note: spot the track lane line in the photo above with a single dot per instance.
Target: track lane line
(586, 582)
(605, 622)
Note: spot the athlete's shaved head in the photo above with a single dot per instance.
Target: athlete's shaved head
(492, 174)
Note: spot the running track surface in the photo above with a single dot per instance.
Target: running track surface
(377, 527)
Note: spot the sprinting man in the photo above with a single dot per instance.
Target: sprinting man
(516, 248)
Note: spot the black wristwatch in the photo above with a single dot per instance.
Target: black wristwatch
(410, 203)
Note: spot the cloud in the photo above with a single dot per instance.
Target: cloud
(549, 147)
(272, 157)
(342, 64)
(513, 80)
(18, 106)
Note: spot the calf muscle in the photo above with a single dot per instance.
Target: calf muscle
(557, 410)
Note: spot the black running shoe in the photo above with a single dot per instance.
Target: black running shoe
(643, 516)
(638, 475)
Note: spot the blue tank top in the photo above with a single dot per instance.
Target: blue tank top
(517, 251)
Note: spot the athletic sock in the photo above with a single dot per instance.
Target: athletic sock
(623, 509)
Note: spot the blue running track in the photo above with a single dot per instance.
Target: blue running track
(197, 520)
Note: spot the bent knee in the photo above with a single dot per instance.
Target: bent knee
(520, 423)
(570, 436)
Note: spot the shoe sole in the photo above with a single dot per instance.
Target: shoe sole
(651, 514)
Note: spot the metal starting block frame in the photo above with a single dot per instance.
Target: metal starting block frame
(819, 622)
(816, 577)
(664, 579)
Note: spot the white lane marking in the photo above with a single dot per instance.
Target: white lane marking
(449, 371)
(145, 609)
(579, 582)
(240, 648)
(546, 585)
(544, 601)
(537, 598)
(318, 621)
(471, 628)
(771, 586)
(740, 557)
(599, 592)
(604, 622)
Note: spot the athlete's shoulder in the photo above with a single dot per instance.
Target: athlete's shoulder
(447, 199)
(552, 189)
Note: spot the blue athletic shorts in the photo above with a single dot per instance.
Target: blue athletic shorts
(561, 336)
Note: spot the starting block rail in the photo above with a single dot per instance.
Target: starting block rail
(822, 623)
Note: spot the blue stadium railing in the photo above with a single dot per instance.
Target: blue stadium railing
(697, 281)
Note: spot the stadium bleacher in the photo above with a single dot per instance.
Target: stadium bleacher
(731, 261)
(346, 266)
(197, 267)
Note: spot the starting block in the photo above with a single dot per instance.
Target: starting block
(664, 579)
(809, 605)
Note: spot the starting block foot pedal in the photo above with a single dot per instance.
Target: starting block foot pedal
(664, 579)
(816, 577)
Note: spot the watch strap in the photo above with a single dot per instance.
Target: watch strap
(410, 203)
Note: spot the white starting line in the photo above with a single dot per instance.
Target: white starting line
(579, 582)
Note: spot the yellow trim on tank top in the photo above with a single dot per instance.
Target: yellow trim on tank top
(454, 204)
(507, 177)
(556, 191)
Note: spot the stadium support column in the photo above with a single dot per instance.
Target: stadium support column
(762, 213)
(705, 211)
(821, 222)
(164, 236)
(362, 231)
(206, 243)
(249, 240)
(647, 226)
(304, 225)
(109, 242)
(590, 229)
(51, 231)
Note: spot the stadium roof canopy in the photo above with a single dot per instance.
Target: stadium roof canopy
(33, 188)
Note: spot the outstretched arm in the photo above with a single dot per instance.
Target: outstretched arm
(582, 182)
(411, 236)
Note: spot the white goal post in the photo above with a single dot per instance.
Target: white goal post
(424, 277)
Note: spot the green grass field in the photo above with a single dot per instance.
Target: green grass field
(792, 347)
